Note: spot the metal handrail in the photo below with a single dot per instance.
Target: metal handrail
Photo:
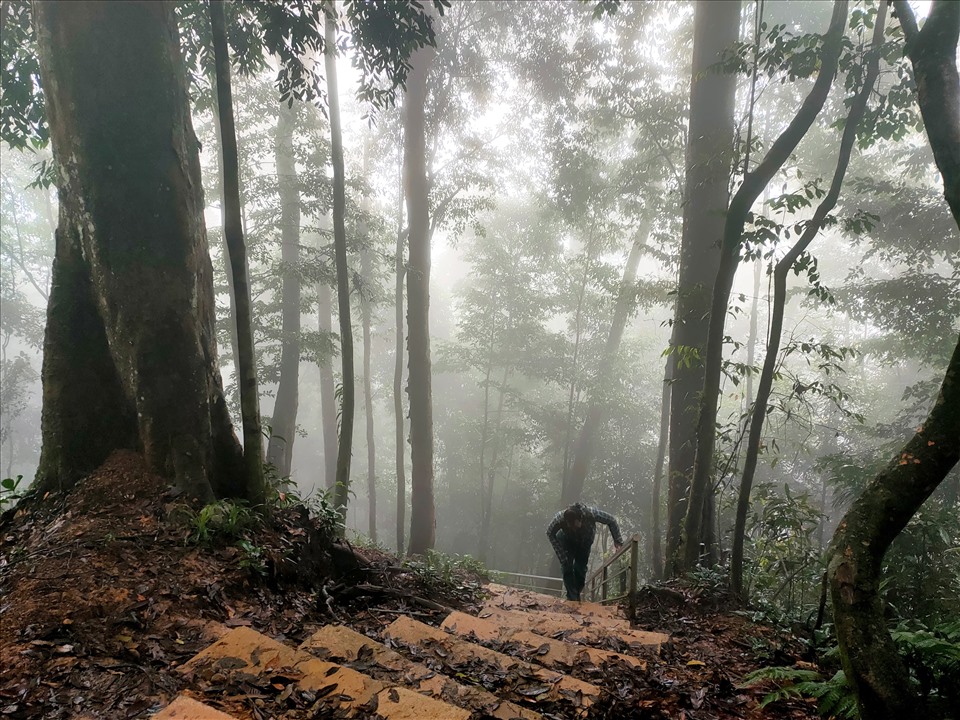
(528, 582)
(601, 578)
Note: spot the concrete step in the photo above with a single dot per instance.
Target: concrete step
(247, 651)
(186, 708)
(513, 678)
(571, 627)
(551, 653)
(346, 646)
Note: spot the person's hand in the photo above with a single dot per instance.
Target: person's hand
(617, 547)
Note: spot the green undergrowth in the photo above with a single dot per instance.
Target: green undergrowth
(932, 657)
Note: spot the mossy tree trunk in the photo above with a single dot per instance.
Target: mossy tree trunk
(130, 358)
(870, 659)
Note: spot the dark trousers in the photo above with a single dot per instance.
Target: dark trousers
(575, 570)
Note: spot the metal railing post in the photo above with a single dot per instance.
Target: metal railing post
(634, 567)
(603, 585)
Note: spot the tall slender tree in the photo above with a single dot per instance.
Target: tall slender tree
(780, 273)
(284, 427)
(655, 536)
(366, 312)
(233, 232)
(419, 384)
(753, 185)
(328, 390)
(347, 392)
(708, 163)
(399, 435)
(593, 424)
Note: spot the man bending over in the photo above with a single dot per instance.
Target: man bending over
(571, 533)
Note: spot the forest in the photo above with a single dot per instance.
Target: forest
(413, 276)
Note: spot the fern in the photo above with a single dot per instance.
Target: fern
(834, 697)
(939, 651)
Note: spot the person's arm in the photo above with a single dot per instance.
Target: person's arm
(552, 530)
(611, 522)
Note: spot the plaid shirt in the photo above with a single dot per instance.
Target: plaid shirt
(591, 516)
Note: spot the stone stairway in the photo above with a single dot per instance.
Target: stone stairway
(414, 671)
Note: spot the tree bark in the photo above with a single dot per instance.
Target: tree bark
(709, 158)
(586, 446)
(284, 428)
(422, 518)
(345, 446)
(130, 357)
(870, 659)
(753, 184)
(780, 274)
(328, 391)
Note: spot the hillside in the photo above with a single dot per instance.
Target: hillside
(108, 594)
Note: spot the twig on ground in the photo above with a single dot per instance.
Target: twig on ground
(328, 598)
(367, 589)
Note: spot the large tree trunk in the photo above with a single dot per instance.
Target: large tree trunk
(399, 435)
(753, 184)
(870, 659)
(709, 158)
(345, 447)
(328, 391)
(422, 518)
(284, 428)
(233, 232)
(586, 446)
(780, 274)
(130, 357)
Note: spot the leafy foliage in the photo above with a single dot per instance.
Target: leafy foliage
(23, 122)
(10, 490)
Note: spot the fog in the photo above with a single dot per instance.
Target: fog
(553, 134)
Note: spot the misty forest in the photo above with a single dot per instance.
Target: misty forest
(317, 315)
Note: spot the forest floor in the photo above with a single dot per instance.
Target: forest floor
(105, 591)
